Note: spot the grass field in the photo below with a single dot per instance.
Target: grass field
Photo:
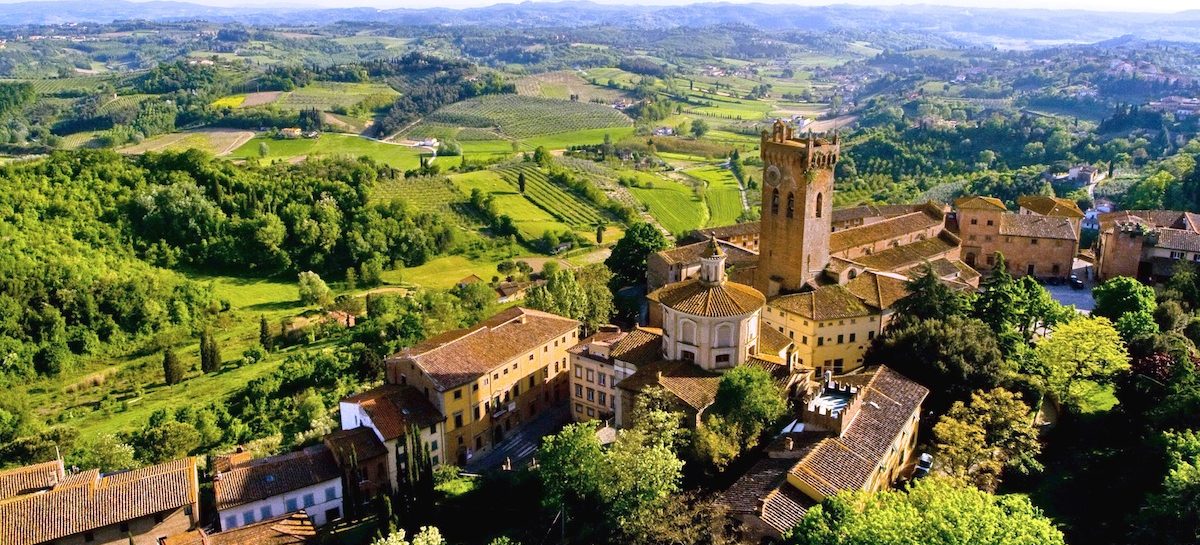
(672, 203)
(722, 196)
(557, 201)
(562, 84)
(431, 194)
(401, 157)
(528, 117)
(214, 141)
(531, 220)
(231, 101)
(325, 95)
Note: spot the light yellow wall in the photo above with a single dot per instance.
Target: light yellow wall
(813, 353)
(580, 385)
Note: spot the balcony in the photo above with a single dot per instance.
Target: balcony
(502, 409)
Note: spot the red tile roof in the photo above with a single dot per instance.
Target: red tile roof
(291, 529)
(1050, 206)
(352, 446)
(854, 237)
(81, 506)
(267, 477)
(691, 253)
(692, 385)
(698, 298)
(639, 347)
(986, 203)
(831, 302)
(26, 479)
(1031, 226)
(393, 408)
(458, 357)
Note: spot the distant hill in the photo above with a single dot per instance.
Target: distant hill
(988, 26)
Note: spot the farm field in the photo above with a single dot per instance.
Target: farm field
(564, 140)
(214, 141)
(327, 95)
(431, 194)
(557, 201)
(531, 220)
(672, 203)
(562, 84)
(528, 117)
(328, 145)
(722, 195)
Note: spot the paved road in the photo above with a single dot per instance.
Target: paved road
(522, 444)
(1082, 299)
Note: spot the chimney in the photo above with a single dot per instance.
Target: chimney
(828, 379)
(788, 444)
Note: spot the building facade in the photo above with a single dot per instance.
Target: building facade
(1032, 244)
(394, 413)
(490, 379)
(601, 361)
(1146, 244)
(252, 490)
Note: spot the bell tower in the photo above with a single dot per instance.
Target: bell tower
(797, 205)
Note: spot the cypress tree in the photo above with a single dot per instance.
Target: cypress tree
(264, 333)
(214, 353)
(172, 368)
(206, 351)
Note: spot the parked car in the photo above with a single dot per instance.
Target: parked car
(1076, 283)
(924, 465)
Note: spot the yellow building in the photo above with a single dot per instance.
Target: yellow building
(602, 360)
(489, 379)
(833, 325)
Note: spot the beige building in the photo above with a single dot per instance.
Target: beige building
(489, 379)
(43, 504)
(857, 432)
(1032, 243)
(601, 361)
(392, 411)
(1146, 244)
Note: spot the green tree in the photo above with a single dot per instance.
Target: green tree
(1085, 349)
(521, 181)
(999, 305)
(994, 431)
(106, 453)
(1133, 325)
(571, 463)
(628, 259)
(172, 368)
(699, 128)
(351, 279)
(932, 510)
(951, 357)
(1122, 295)
(541, 156)
(263, 150)
(313, 290)
(210, 352)
(748, 398)
(929, 297)
(264, 333)
(164, 441)
(1171, 515)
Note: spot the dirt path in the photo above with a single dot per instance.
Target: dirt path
(237, 142)
(826, 125)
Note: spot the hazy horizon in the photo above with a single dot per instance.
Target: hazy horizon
(1156, 6)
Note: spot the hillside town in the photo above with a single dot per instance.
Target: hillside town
(800, 296)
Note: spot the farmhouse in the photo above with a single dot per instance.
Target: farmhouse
(137, 507)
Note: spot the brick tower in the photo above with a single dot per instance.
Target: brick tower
(797, 206)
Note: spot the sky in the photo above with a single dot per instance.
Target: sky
(1154, 6)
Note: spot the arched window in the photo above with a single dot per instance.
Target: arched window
(687, 332)
(775, 201)
(791, 211)
(724, 335)
(819, 207)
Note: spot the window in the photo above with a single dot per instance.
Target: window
(531, 357)
(578, 390)
(433, 446)
(870, 335)
(841, 339)
(722, 358)
(804, 339)
(531, 381)
(1176, 255)
(791, 209)
(293, 504)
(591, 412)
(514, 367)
(433, 429)
(458, 394)
(687, 355)
(612, 380)
(578, 372)
(591, 394)
(600, 379)
(330, 494)
(852, 337)
(475, 387)
(332, 513)
(433, 460)
(248, 517)
(309, 500)
(974, 221)
(478, 413)
(820, 341)
(603, 398)
(774, 201)
(516, 391)
(230, 522)
(579, 408)
(837, 366)
(1033, 241)
(458, 421)
(991, 261)
(990, 222)
(819, 205)
(265, 512)
(591, 376)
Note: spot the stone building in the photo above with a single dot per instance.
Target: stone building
(1033, 244)
(41, 503)
(1146, 244)
(857, 432)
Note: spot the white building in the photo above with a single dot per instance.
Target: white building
(248, 490)
(391, 410)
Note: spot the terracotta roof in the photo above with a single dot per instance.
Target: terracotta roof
(291, 529)
(87, 505)
(878, 290)
(910, 254)
(458, 357)
(691, 384)
(774, 366)
(393, 408)
(977, 202)
(1178, 239)
(350, 446)
(691, 253)
(771, 341)
(21, 480)
(506, 289)
(639, 347)
(1050, 206)
(726, 231)
(847, 462)
(713, 300)
(1025, 225)
(865, 211)
(275, 475)
(763, 491)
(1155, 218)
(882, 230)
(831, 302)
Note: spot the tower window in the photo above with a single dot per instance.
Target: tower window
(775, 201)
(791, 209)
(819, 205)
